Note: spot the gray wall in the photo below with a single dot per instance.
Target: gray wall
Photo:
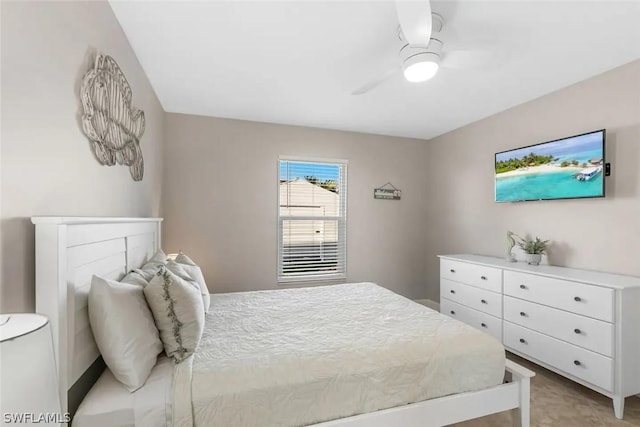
(47, 166)
(220, 196)
(596, 234)
(220, 200)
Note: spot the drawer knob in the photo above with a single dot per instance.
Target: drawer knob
(577, 362)
(577, 299)
(523, 314)
(577, 331)
(452, 270)
(523, 287)
(523, 341)
(484, 325)
(483, 277)
(452, 291)
(452, 312)
(484, 301)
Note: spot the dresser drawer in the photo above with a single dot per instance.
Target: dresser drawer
(588, 300)
(482, 321)
(477, 298)
(472, 274)
(584, 364)
(582, 331)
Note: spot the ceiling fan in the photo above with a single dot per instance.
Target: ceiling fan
(421, 53)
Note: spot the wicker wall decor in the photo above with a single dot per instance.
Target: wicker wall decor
(112, 125)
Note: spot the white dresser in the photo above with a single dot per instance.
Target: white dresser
(582, 324)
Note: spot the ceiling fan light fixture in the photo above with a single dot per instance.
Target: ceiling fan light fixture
(421, 67)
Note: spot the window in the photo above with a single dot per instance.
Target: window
(312, 219)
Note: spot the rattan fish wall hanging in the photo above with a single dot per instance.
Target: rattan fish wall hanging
(114, 127)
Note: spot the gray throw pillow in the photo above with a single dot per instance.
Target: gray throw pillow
(178, 312)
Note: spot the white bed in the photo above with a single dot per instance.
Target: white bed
(289, 357)
(110, 404)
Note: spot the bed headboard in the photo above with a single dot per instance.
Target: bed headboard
(69, 251)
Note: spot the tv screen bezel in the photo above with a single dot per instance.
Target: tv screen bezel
(604, 162)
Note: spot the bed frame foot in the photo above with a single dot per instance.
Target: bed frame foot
(618, 406)
(522, 414)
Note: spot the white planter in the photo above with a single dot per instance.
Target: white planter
(533, 259)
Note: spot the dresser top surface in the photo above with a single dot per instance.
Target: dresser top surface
(598, 278)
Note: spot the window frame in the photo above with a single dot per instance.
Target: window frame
(342, 221)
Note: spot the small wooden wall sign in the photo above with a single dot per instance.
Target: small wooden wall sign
(387, 192)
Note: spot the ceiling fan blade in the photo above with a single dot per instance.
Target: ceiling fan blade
(415, 21)
(470, 59)
(375, 83)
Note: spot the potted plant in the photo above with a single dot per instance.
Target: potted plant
(533, 249)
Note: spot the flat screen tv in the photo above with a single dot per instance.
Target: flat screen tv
(567, 168)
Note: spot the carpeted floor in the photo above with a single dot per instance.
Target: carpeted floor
(559, 402)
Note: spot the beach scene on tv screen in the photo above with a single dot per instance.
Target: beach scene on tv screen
(567, 168)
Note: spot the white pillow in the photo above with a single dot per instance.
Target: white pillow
(148, 270)
(196, 273)
(193, 275)
(137, 277)
(158, 258)
(178, 270)
(182, 258)
(177, 309)
(129, 352)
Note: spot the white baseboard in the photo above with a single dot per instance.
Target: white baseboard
(429, 303)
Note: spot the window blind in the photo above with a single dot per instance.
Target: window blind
(312, 220)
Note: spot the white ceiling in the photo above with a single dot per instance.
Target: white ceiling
(297, 62)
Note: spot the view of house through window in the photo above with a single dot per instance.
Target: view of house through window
(311, 220)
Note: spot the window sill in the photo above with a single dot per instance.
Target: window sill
(315, 280)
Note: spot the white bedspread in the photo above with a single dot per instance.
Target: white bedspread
(301, 356)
